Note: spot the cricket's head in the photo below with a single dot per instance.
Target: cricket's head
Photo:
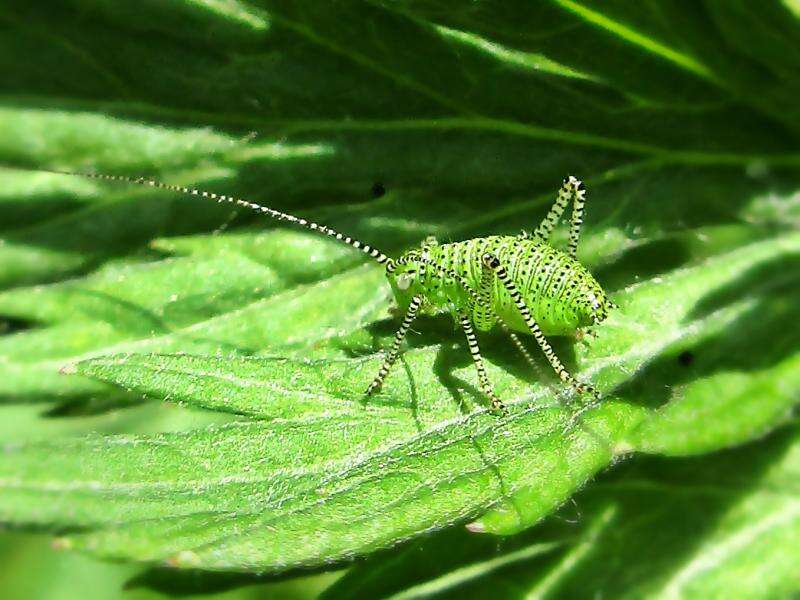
(591, 304)
(403, 276)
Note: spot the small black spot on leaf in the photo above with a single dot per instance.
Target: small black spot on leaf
(685, 358)
(378, 189)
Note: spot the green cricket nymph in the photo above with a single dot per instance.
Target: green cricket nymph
(520, 283)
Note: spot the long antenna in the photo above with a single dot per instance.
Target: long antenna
(376, 254)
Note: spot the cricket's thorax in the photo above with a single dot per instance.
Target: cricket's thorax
(560, 293)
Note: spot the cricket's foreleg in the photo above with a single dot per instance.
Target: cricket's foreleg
(474, 350)
(491, 262)
(391, 356)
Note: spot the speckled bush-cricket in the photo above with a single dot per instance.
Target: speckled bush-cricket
(519, 283)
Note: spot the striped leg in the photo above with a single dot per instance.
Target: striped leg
(576, 220)
(474, 350)
(491, 262)
(411, 314)
(481, 305)
(571, 190)
(522, 349)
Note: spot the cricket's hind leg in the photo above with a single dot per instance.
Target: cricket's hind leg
(572, 190)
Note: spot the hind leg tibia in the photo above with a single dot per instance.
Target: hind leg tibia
(572, 190)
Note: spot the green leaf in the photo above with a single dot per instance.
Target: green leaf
(401, 465)
(173, 303)
(724, 524)
(392, 121)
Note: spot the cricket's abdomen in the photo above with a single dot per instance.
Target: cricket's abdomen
(553, 285)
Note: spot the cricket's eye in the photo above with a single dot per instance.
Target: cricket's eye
(594, 301)
(404, 282)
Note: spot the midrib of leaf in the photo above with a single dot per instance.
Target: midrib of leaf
(625, 32)
(525, 60)
(154, 488)
(236, 11)
(666, 155)
(630, 35)
(150, 343)
(475, 122)
(335, 406)
(462, 575)
(575, 555)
